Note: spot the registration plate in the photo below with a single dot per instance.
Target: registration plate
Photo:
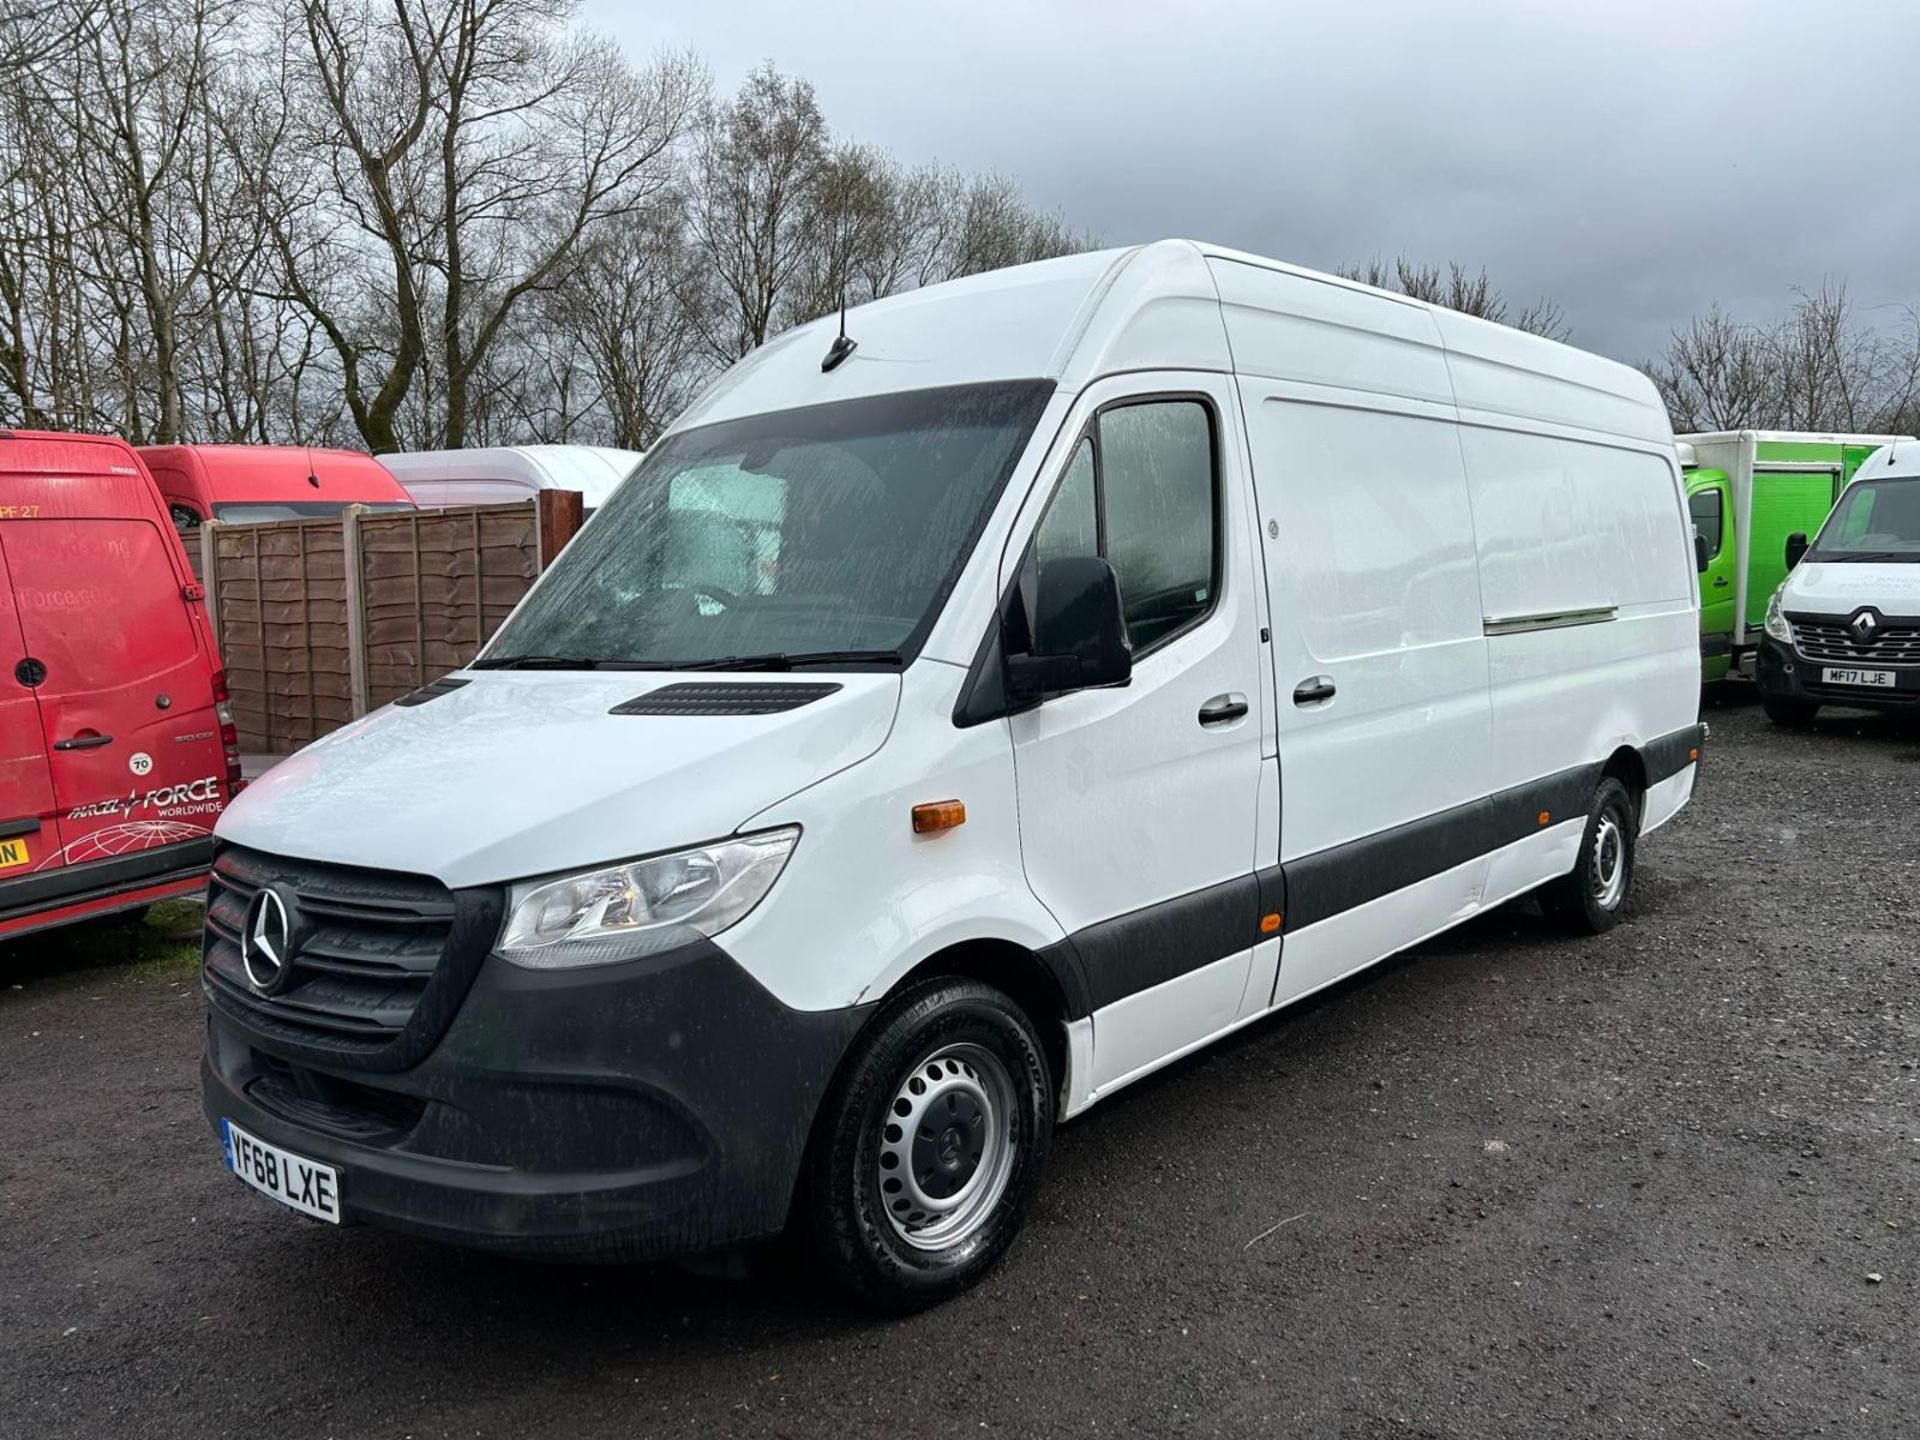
(1878, 679)
(295, 1181)
(13, 854)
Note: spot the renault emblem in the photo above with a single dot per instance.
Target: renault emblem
(266, 944)
(1865, 625)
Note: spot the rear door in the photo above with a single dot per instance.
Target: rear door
(27, 831)
(126, 698)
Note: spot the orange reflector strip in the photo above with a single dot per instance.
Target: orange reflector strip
(940, 815)
(1545, 817)
(1269, 923)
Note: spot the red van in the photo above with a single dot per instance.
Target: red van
(117, 752)
(250, 484)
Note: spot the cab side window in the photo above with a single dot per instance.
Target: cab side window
(1706, 508)
(1141, 492)
(185, 520)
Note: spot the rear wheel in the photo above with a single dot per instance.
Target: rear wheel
(929, 1147)
(1590, 899)
(1794, 714)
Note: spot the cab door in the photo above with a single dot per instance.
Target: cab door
(27, 831)
(126, 691)
(1709, 506)
(1138, 803)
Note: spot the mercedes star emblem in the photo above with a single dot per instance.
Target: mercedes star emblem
(266, 945)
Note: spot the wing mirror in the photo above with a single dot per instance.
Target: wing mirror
(1796, 548)
(1700, 558)
(1079, 632)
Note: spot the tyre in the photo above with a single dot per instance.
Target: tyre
(1590, 899)
(1794, 714)
(928, 1147)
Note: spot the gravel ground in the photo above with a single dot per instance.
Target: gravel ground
(1658, 1183)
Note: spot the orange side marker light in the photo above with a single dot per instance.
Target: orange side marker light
(1270, 923)
(1545, 817)
(940, 815)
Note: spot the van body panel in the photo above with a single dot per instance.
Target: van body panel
(1290, 327)
(1500, 370)
(419, 788)
(1372, 582)
(891, 899)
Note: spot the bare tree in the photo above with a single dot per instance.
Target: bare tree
(754, 173)
(1818, 368)
(1717, 374)
(453, 156)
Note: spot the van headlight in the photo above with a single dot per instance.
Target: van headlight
(1776, 623)
(626, 911)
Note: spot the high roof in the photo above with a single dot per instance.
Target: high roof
(1171, 305)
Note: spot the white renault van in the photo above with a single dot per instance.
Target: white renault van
(956, 718)
(1844, 626)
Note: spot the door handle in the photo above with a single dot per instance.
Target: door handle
(83, 742)
(1314, 691)
(1720, 583)
(1222, 708)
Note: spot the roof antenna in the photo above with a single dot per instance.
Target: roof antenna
(843, 346)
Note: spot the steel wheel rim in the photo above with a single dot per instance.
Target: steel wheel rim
(946, 1147)
(1609, 862)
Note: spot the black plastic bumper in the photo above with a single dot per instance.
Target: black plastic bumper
(640, 1111)
(1783, 675)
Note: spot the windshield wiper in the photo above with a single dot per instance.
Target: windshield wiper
(1858, 557)
(535, 662)
(783, 660)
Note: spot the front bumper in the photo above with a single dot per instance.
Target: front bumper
(1783, 674)
(640, 1111)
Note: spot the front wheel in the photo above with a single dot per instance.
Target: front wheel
(1590, 899)
(1794, 714)
(929, 1147)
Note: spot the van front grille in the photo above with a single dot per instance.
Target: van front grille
(376, 961)
(1832, 641)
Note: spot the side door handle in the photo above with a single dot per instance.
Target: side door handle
(1314, 691)
(83, 742)
(1223, 708)
(1720, 582)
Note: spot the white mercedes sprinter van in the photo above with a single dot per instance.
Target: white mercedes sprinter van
(1844, 626)
(956, 718)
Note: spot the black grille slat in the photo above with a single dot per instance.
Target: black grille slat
(370, 946)
(1835, 644)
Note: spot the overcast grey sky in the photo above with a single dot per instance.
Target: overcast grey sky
(1632, 159)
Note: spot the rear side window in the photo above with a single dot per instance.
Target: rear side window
(1706, 508)
(1142, 492)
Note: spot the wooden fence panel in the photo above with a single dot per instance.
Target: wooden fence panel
(322, 620)
(437, 583)
(282, 592)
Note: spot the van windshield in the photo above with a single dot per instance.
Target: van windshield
(824, 535)
(1875, 520)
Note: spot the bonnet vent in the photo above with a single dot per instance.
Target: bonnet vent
(445, 685)
(695, 698)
